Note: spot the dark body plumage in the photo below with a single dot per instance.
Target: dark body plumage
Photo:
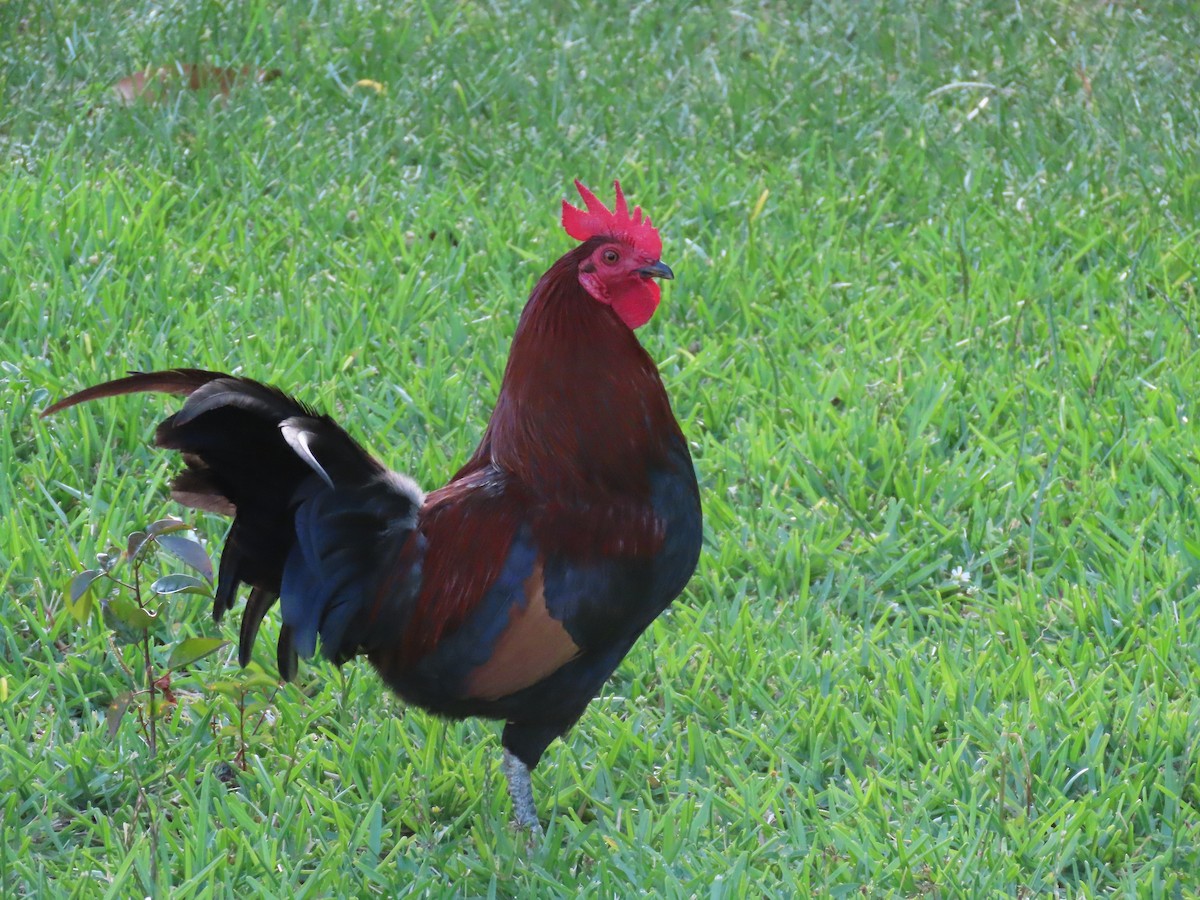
(514, 591)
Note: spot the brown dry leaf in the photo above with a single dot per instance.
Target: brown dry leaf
(164, 686)
(155, 85)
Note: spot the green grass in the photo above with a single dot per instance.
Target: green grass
(962, 330)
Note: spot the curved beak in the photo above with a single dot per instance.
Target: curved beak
(657, 270)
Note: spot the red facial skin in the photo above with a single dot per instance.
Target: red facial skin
(614, 275)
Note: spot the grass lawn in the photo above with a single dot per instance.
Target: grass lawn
(935, 338)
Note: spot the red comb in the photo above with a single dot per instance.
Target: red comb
(599, 220)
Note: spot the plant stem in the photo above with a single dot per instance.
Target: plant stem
(137, 595)
(241, 754)
(152, 808)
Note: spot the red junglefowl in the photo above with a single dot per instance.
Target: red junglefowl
(514, 591)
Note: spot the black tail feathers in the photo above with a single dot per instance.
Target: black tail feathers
(315, 516)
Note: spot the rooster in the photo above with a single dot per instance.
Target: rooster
(513, 592)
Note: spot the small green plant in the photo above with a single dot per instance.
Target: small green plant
(134, 613)
(134, 616)
(134, 610)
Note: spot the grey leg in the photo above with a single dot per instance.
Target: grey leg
(520, 788)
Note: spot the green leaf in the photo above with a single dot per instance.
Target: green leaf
(188, 651)
(115, 712)
(135, 543)
(166, 526)
(80, 592)
(188, 551)
(259, 681)
(82, 583)
(179, 584)
(132, 614)
(250, 681)
(228, 688)
(81, 610)
(161, 705)
(126, 619)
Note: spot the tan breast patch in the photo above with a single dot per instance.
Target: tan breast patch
(531, 647)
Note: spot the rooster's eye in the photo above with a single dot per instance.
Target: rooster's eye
(610, 256)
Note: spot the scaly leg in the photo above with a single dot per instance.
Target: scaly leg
(520, 788)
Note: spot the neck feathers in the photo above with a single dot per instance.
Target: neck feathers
(582, 406)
